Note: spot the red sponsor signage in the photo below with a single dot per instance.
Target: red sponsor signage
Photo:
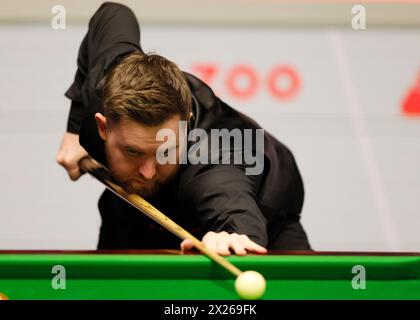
(244, 82)
(411, 104)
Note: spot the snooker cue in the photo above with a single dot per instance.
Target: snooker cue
(101, 173)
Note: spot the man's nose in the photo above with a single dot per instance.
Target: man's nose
(147, 169)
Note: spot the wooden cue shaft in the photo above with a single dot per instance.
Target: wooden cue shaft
(102, 174)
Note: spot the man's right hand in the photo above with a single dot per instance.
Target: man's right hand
(69, 155)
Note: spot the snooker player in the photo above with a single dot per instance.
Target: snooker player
(121, 98)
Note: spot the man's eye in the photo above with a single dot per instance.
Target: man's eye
(131, 152)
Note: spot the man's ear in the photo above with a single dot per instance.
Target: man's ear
(101, 122)
(191, 114)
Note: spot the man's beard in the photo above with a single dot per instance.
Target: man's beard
(151, 189)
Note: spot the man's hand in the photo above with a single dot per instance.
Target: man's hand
(223, 243)
(70, 154)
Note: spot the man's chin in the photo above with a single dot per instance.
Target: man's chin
(141, 191)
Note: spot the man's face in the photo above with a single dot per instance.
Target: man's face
(131, 154)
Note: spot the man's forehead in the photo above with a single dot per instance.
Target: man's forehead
(132, 133)
(171, 123)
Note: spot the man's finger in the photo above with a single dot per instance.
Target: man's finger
(223, 247)
(187, 244)
(210, 242)
(254, 247)
(238, 248)
(74, 173)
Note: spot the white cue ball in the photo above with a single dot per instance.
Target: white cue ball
(250, 285)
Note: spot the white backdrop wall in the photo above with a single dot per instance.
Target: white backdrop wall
(341, 113)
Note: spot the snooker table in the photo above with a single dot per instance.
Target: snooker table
(167, 274)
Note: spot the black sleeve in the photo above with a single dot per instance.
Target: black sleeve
(223, 198)
(113, 32)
